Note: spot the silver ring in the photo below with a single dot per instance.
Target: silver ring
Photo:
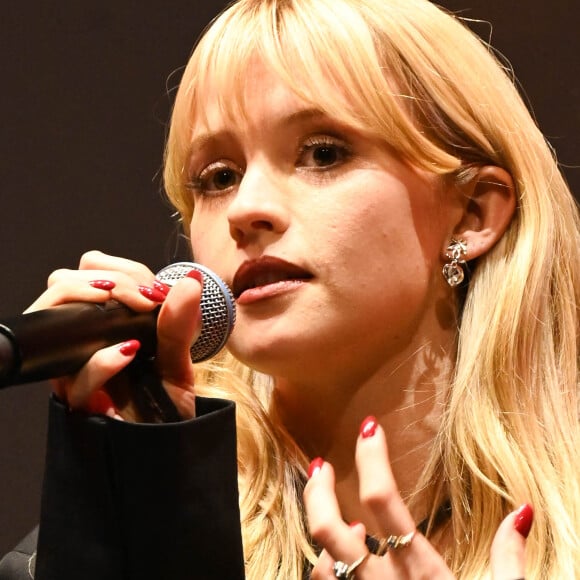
(395, 542)
(344, 571)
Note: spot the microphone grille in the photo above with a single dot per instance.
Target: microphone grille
(218, 311)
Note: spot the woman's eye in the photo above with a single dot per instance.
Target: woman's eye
(223, 179)
(216, 178)
(322, 152)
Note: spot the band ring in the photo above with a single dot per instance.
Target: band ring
(394, 543)
(344, 571)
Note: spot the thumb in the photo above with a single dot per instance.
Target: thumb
(178, 325)
(509, 543)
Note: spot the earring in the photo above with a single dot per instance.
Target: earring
(453, 271)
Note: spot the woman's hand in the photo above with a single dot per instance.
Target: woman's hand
(100, 278)
(415, 557)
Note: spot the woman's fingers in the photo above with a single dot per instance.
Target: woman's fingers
(178, 326)
(100, 403)
(508, 547)
(101, 277)
(68, 286)
(98, 286)
(343, 545)
(414, 557)
(377, 486)
(95, 260)
(100, 368)
(324, 566)
(325, 522)
(379, 495)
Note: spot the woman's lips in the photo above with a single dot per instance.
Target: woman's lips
(267, 271)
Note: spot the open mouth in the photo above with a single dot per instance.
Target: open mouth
(264, 271)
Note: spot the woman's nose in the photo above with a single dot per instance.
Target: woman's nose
(258, 209)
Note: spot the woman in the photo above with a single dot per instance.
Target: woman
(404, 255)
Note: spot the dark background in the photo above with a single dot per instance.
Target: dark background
(86, 89)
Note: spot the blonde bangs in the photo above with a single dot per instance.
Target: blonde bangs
(389, 74)
(355, 82)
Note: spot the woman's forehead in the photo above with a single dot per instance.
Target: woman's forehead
(262, 92)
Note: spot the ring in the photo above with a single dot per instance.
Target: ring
(394, 543)
(344, 571)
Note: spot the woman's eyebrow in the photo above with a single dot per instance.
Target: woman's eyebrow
(298, 117)
(303, 115)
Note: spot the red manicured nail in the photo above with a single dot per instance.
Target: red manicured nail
(524, 519)
(130, 347)
(355, 523)
(196, 275)
(100, 403)
(164, 288)
(368, 427)
(152, 293)
(102, 284)
(315, 467)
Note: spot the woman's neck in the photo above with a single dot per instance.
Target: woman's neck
(407, 396)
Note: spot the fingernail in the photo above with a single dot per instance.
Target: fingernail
(101, 403)
(102, 284)
(355, 524)
(152, 293)
(315, 467)
(368, 427)
(163, 288)
(524, 519)
(196, 275)
(130, 347)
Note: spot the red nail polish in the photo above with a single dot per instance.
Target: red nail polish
(524, 519)
(368, 427)
(130, 347)
(100, 403)
(163, 288)
(196, 275)
(152, 293)
(354, 524)
(315, 467)
(102, 284)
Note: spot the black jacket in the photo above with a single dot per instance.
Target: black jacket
(126, 501)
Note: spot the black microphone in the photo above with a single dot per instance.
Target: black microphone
(58, 341)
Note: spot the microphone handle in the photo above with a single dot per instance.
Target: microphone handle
(26, 355)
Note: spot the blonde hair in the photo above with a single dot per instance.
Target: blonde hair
(418, 78)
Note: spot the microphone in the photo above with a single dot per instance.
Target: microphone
(58, 341)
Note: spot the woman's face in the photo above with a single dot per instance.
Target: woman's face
(332, 245)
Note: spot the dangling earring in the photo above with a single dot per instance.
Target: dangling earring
(452, 271)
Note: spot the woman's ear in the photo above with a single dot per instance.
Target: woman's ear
(489, 203)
